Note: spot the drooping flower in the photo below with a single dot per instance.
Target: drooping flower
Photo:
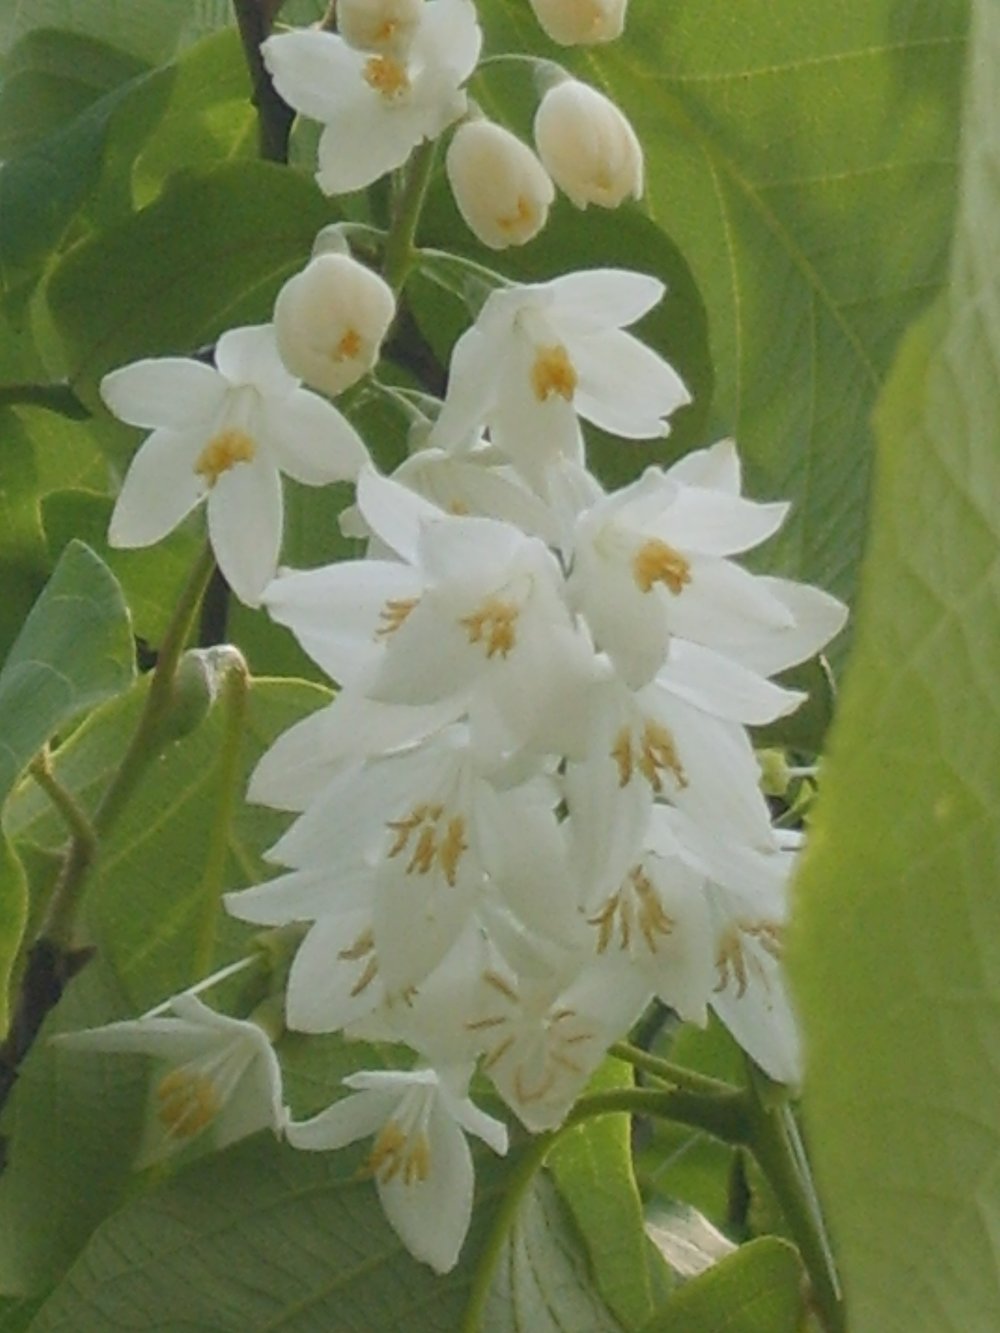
(329, 321)
(219, 1075)
(225, 433)
(581, 22)
(420, 1158)
(588, 146)
(376, 108)
(538, 356)
(502, 190)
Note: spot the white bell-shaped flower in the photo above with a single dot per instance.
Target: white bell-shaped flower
(218, 1075)
(420, 1158)
(581, 22)
(226, 433)
(502, 190)
(376, 108)
(588, 146)
(379, 25)
(329, 321)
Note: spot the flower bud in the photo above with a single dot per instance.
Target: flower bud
(329, 321)
(580, 22)
(588, 147)
(378, 25)
(500, 187)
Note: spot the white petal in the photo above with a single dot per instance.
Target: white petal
(713, 682)
(250, 356)
(301, 895)
(431, 1217)
(312, 441)
(449, 35)
(174, 392)
(713, 523)
(172, 1039)
(394, 512)
(160, 488)
(255, 1103)
(725, 605)
(244, 524)
(311, 70)
(602, 298)
(346, 1121)
(362, 142)
(818, 617)
(476, 360)
(291, 772)
(625, 387)
(716, 468)
(325, 990)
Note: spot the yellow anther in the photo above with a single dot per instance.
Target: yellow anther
(494, 625)
(394, 1152)
(635, 906)
(621, 753)
(393, 614)
(187, 1102)
(349, 347)
(659, 754)
(656, 562)
(430, 844)
(730, 961)
(387, 76)
(525, 214)
(553, 373)
(453, 844)
(222, 452)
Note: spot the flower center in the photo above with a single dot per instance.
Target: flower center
(636, 905)
(656, 562)
(187, 1102)
(553, 373)
(349, 347)
(524, 216)
(387, 76)
(654, 754)
(396, 1152)
(494, 625)
(434, 838)
(731, 962)
(222, 452)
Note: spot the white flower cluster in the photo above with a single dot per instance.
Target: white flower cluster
(533, 805)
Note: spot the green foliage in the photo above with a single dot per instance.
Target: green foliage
(897, 952)
(758, 1289)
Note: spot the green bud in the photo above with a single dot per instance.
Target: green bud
(775, 776)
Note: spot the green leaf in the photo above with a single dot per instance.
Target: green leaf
(592, 1167)
(74, 651)
(757, 1289)
(209, 253)
(152, 31)
(783, 148)
(261, 1236)
(22, 548)
(896, 954)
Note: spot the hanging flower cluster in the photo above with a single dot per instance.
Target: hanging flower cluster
(533, 805)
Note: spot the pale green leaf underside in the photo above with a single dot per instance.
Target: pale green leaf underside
(898, 948)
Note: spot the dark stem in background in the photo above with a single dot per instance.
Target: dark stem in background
(274, 116)
(213, 623)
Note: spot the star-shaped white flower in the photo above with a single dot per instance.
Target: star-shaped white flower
(540, 356)
(376, 107)
(420, 1158)
(219, 1075)
(225, 433)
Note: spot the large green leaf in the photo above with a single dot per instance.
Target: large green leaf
(22, 546)
(897, 952)
(262, 1237)
(784, 147)
(152, 909)
(152, 31)
(757, 1289)
(210, 252)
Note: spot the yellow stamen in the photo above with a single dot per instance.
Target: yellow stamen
(349, 347)
(187, 1103)
(659, 754)
(621, 753)
(430, 844)
(656, 562)
(494, 625)
(394, 1151)
(222, 452)
(553, 373)
(524, 215)
(393, 614)
(387, 76)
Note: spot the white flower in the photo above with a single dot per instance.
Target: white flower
(376, 108)
(221, 1075)
(587, 146)
(226, 433)
(379, 25)
(502, 190)
(420, 1158)
(539, 355)
(330, 319)
(581, 22)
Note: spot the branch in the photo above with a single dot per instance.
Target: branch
(274, 116)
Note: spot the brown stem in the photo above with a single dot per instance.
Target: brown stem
(274, 116)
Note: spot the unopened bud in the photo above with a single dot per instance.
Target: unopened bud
(587, 145)
(329, 321)
(502, 190)
(378, 25)
(580, 22)
(196, 686)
